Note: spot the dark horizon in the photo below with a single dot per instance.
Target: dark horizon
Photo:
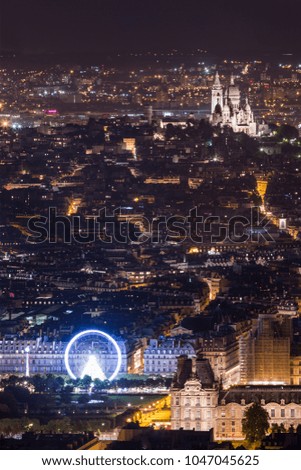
(94, 29)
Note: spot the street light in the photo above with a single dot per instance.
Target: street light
(27, 361)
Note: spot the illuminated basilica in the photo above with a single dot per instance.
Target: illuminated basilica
(228, 109)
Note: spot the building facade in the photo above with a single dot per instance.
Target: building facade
(38, 356)
(197, 403)
(222, 352)
(295, 369)
(283, 405)
(193, 401)
(161, 356)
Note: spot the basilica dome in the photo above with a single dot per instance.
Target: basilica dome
(233, 91)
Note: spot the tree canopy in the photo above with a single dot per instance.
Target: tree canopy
(287, 132)
(255, 423)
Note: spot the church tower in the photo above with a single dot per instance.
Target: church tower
(233, 96)
(217, 96)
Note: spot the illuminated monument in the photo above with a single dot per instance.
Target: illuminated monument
(227, 108)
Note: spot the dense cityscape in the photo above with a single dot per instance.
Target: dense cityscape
(150, 251)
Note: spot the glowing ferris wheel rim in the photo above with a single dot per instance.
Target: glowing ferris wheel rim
(99, 333)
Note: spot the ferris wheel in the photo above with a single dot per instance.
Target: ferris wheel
(93, 353)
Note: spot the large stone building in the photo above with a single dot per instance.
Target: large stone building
(161, 356)
(42, 356)
(198, 403)
(222, 352)
(193, 400)
(283, 405)
(228, 109)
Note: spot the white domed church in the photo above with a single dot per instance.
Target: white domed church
(227, 108)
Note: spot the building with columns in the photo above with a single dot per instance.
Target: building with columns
(228, 108)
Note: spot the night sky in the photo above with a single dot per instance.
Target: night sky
(92, 28)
